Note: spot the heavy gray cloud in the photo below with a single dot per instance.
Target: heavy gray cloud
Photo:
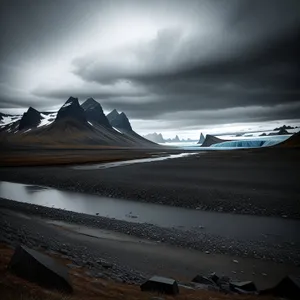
(232, 60)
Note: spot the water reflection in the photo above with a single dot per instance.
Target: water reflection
(221, 224)
(31, 189)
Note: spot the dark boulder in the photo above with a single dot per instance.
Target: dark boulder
(214, 277)
(39, 268)
(243, 287)
(203, 280)
(161, 285)
(288, 287)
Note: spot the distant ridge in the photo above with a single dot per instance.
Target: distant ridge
(211, 140)
(155, 137)
(201, 139)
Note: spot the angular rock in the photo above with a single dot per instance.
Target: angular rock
(161, 285)
(106, 264)
(39, 268)
(203, 280)
(288, 287)
(243, 286)
(214, 277)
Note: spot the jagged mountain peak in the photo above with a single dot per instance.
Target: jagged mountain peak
(71, 100)
(32, 110)
(31, 118)
(119, 120)
(71, 109)
(90, 103)
(113, 114)
(94, 112)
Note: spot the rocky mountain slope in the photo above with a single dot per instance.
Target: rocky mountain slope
(74, 125)
(94, 113)
(211, 140)
(119, 120)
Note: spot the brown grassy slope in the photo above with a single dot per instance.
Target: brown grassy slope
(67, 157)
(14, 288)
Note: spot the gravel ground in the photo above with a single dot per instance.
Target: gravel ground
(262, 182)
(192, 239)
(16, 231)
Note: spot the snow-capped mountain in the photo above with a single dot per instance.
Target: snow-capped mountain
(73, 124)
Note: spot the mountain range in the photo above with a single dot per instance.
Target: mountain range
(158, 138)
(72, 125)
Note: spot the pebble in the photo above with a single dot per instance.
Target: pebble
(190, 239)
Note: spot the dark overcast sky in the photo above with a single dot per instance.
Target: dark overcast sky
(170, 65)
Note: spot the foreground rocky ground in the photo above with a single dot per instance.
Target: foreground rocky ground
(257, 182)
(86, 287)
(288, 252)
(147, 255)
(114, 272)
(241, 182)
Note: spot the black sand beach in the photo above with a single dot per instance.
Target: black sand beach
(255, 182)
(258, 182)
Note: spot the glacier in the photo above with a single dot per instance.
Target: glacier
(252, 143)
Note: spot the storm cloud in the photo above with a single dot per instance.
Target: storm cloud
(182, 64)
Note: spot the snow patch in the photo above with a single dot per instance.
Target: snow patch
(47, 119)
(27, 130)
(117, 130)
(67, 104)
(9, 119)
(90, 123)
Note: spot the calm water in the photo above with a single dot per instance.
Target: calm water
(130, 162)
(223, 224)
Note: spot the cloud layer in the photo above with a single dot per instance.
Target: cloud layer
(209, 62)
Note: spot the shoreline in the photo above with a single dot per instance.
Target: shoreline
(244, 182)
(188, 239)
